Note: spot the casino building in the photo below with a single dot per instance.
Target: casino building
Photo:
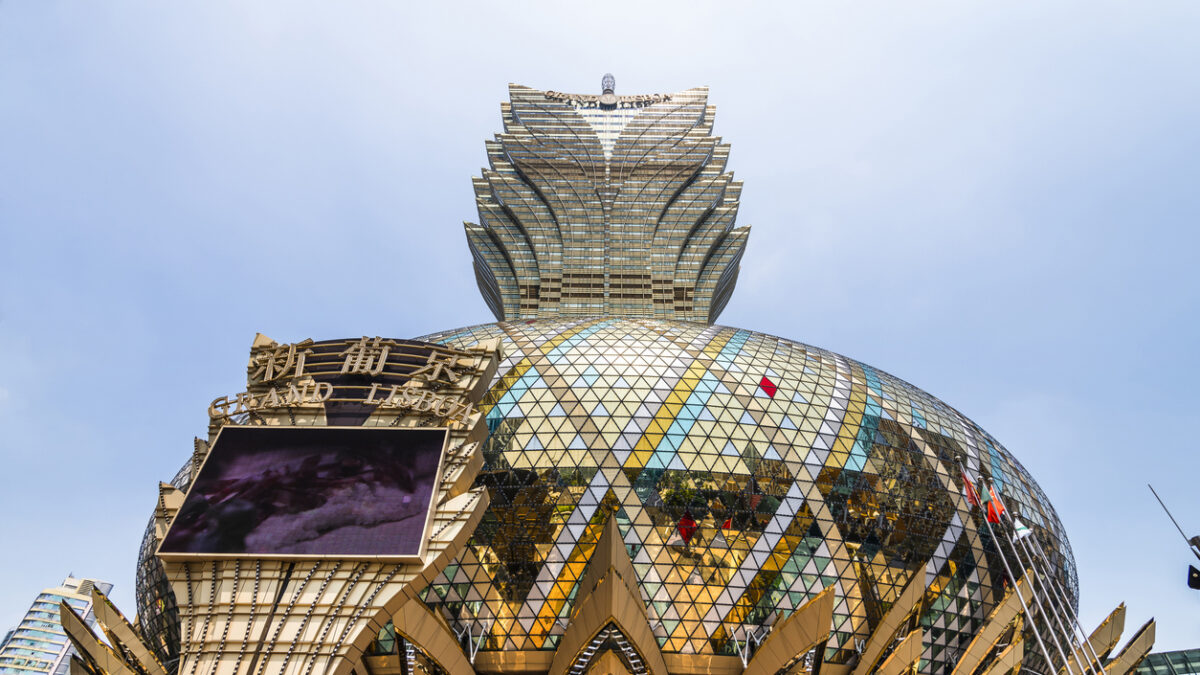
(625, 486)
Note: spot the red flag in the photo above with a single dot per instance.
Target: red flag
(993, 513)
(686, 527)
(972, 497)
(996, 499)
(727, 524)
(994, 508)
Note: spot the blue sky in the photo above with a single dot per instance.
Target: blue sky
(994, 201)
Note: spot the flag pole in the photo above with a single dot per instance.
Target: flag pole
(1042, 602)
(1088, 650)
(1016, 587)
(1059, 636)
(1045, 602)
(1086, 644)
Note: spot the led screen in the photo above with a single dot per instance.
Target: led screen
(310, 491)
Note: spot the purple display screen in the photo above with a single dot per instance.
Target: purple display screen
(319, 491)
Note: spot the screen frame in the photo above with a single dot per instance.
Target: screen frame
(429, 513)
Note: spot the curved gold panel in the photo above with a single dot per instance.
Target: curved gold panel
(1101, 642)
(1009, 658)
(1138, 647)
(891, 623)
(1106, 636)
(424, 628)
(801, 631)
(98, 657)
(608, 594)
(120, 632)
(993, 627)
(904, 655)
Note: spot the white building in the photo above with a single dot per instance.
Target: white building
(38, 644)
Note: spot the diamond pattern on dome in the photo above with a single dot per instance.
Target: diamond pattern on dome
(746, 473)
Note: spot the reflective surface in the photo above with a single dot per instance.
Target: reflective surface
(747, 473)
(1183, 662)
(157, 611)
(620, 210)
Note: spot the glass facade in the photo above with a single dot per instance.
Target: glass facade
(39, 644)
(157, 610)
(746, 472)
(1183, 662)
(607, 205)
